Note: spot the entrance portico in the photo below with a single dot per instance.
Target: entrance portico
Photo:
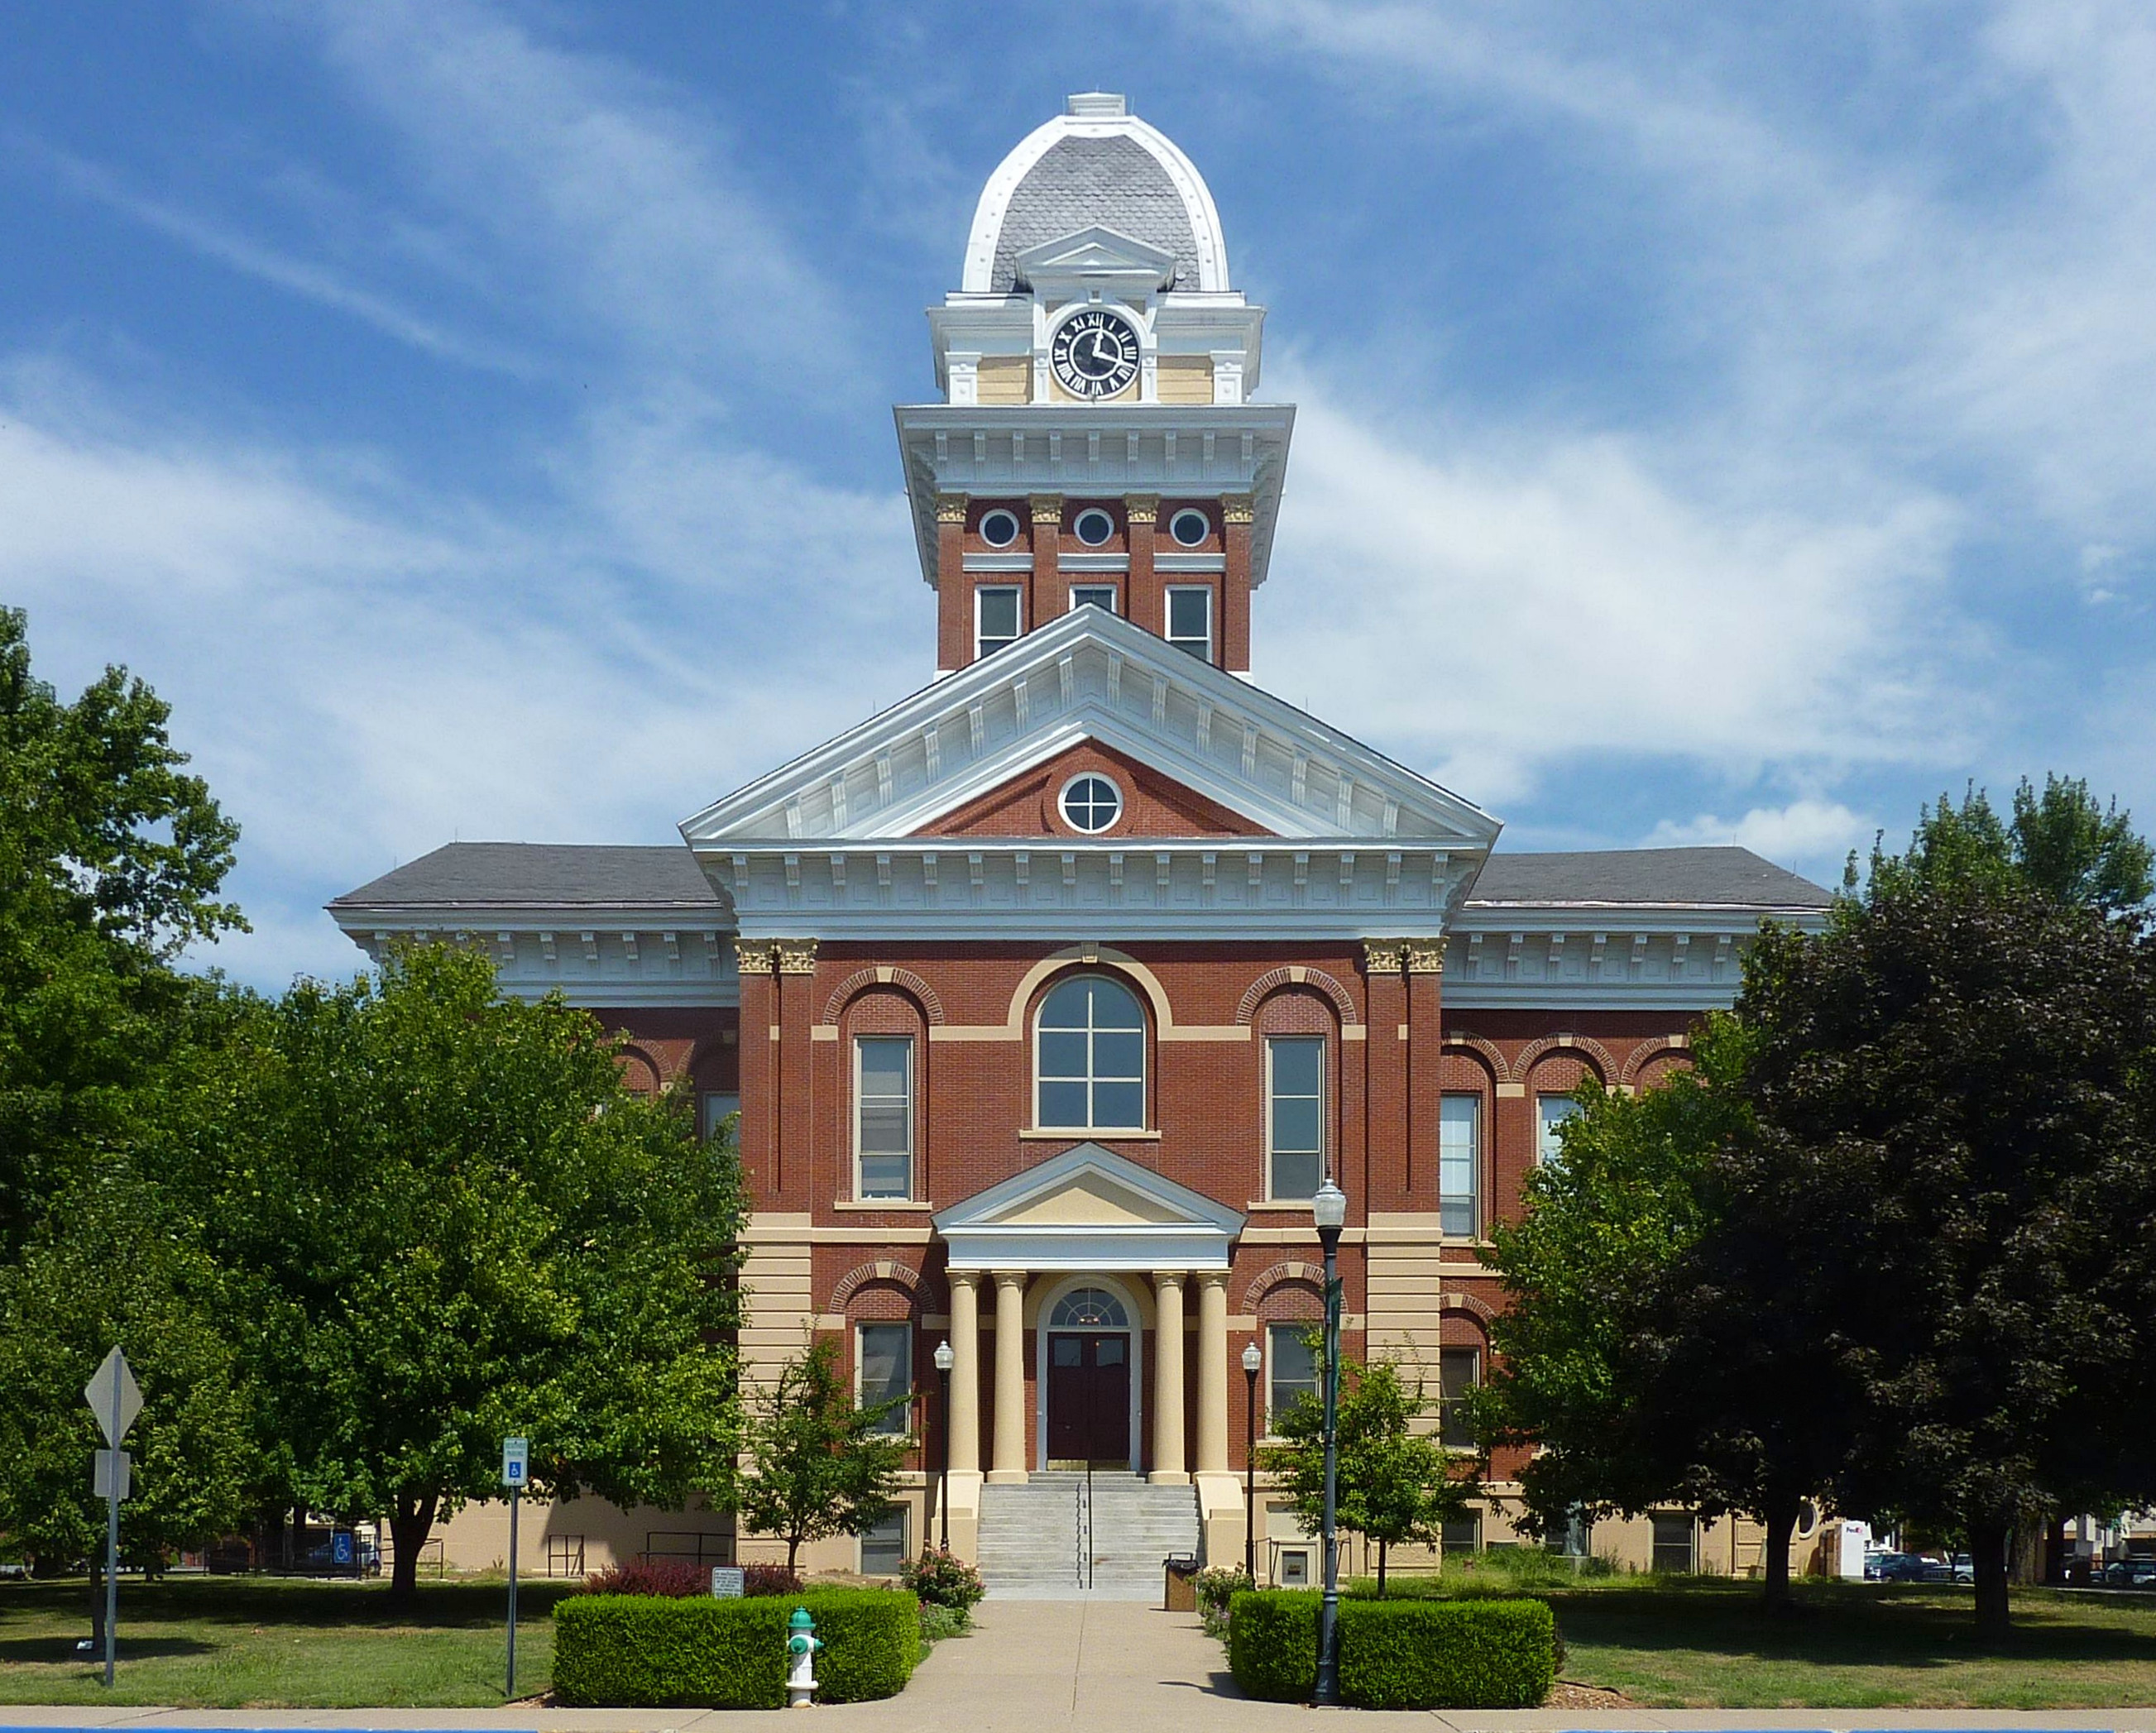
(1088, 1256)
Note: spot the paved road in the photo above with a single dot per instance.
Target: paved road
(1098, 1666)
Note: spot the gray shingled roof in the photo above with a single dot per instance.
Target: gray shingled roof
(475, 875)
(1710, 878)
(1115, 181)
(516, 875)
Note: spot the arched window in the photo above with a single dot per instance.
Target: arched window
(1091, 1057)
(1089, 1308)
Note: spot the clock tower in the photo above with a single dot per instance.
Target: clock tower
(1095, 445)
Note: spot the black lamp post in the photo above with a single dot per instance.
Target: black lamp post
(1253, 1358)
(1329, 1209)
(944, 1358)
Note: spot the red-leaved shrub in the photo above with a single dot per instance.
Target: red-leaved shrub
(769, 1580)
(675, 1576)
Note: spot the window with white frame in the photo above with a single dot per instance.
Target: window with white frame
(1459, 1165)
(1676, 1543)
(1295, 1115)
(1292, 1357)
(1090, 1057)
(885, 1357)
(1462, 1533)
(1190, 619)
(1551, 1112)
(884, 1550)
(883, 1116)
(1100, 596)
(1458, 1371)
(996, 620)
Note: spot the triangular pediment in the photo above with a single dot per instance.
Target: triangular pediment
(1091, 676)
(1095, 251)
(1088, 1186)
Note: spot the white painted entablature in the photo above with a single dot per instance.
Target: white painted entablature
(1089, 1209)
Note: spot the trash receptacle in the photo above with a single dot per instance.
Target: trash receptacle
(1181, 1589)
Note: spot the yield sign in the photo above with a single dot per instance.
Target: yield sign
(114, 1396)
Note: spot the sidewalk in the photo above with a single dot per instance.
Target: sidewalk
(1100, 1666)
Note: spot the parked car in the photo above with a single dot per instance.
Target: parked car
(2129, 1573)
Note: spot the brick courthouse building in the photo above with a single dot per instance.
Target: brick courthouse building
(1047, 995)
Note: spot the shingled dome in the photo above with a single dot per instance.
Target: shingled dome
(1096, 164)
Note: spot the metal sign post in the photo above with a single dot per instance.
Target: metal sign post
(516, 1464)
(115, 1398)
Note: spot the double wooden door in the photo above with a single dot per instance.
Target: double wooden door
(1088, 1399)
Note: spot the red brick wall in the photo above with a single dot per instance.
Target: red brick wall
(1153, 805)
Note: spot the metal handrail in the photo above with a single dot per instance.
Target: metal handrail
(1086, 1528)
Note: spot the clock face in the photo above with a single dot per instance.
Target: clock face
(1095, 353)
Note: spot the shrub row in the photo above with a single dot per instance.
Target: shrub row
(1396, 1654)
(650, 1651)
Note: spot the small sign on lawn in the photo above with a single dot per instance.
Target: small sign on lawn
(728, 1581)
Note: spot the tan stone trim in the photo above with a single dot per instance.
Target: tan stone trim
(794, 956)
(1078, 1135)
(823, 1031)
(1046, 508)
(950, 508)
(883, 974)
(892, 1204)
(1237, 509)
(1383, 956)
(1424, 956)
(1141, 508)
(752, 957)
(1298, 975)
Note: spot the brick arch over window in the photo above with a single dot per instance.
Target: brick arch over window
(1098, 959)
(1469, 1303)
(1263, 1283)
(887, 1271)
(641, 1072)
(905, 979)
(1582, 1047)
(1487, 1051)
(1273, 980)
(1647, 1052)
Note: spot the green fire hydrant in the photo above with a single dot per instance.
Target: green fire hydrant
(802, 1643)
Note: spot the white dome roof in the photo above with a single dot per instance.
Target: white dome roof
(1096, 163)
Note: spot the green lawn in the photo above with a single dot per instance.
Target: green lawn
(226, 1643)
(1707, 1644)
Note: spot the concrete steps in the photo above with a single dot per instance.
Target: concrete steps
(1030, 1535)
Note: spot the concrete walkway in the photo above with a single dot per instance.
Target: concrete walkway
(1101, 1666)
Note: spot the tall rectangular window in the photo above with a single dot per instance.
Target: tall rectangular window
(1458, 1371)
(1190, 619)
(1462, 1533)
(995, 618)
(713, 1111)
(1459, 1165)
(1294, 1363)
(1294, 1114)
(885, 1360)
(883, 1116)
(1551, 1112)
(1100, 596)
(1675, 1542)
(882, 1546)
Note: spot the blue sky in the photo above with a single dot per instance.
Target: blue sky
(1716, 424)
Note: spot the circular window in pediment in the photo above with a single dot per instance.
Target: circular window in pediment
(999, 528)
(1090, 803)
(1093, 526)
(1089, 1308)
(1190, 528)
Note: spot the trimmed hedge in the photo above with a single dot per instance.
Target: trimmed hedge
(647, 1652)
(1396, 1654)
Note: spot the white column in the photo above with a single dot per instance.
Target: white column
(1009, 1462)
(1167, 1380)
(965, 1416)
(1213, 1373)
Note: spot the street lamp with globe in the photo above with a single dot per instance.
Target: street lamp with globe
(945, 1358)
(1328, 1209)
(1253, 1358)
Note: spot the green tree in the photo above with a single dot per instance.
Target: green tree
(1391, 1482)
(1956, 1140)
(111, 860)
(2061, 845)
(110, 1264)
(818, 1465)
(463, 1225)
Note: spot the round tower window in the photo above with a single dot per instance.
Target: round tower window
(1189, 528)
(1093, 526)
(1091, 804)
(999, 528)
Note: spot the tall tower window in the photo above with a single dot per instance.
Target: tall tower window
(1458, 1164)
(1294, 1102)
(1190, 619)
(1189, 528)
(1101, 596)
(883, 1116)
(999, 528)
(1093, 526)
(995, 618)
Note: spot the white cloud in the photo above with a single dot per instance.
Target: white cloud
(1501, 610)
(1814, 834)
